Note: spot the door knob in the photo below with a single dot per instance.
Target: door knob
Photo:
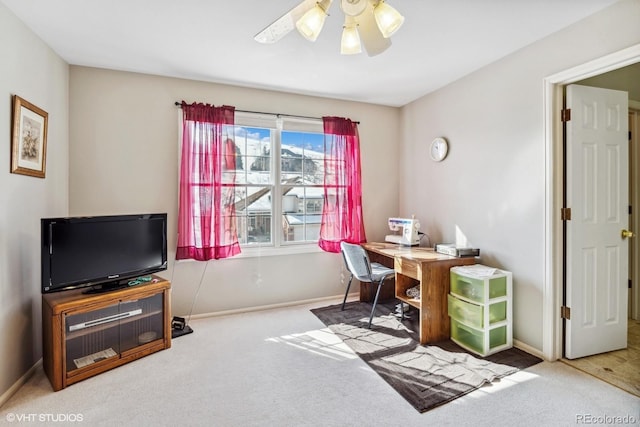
(627, 233)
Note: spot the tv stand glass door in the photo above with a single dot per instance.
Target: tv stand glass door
(94, 336)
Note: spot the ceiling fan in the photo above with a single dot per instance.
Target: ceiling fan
(366, 22)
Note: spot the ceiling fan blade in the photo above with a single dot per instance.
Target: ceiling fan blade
(283, 25)
(371, 37)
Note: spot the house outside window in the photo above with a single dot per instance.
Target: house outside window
(279, 181)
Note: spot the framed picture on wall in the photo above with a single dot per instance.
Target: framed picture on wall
(28, 138)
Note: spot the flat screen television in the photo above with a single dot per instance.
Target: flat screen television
(101, 252)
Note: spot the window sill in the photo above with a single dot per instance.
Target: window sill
(256, 252)
(260, 251)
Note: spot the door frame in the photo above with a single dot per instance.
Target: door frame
(634, 224)
(552, 331)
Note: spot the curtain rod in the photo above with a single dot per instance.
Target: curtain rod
(179, 104)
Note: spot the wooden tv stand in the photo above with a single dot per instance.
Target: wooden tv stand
(86, 334)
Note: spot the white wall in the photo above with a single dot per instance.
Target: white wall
(112, 148)
(491, 186)
(34, 72)
(124, 159)
(626, 79)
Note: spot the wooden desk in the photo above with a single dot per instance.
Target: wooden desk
(429, 270)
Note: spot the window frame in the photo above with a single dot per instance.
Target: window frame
(277, 124)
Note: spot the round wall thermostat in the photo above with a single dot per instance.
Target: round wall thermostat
(439, 148)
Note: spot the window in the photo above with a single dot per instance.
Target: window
(255, 181)
(279, 182)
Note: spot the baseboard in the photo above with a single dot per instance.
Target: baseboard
(268, 306)
(526, 347)
(21, 381)
(353, 296)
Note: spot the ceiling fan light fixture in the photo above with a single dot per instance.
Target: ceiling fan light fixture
(311, 23)
(388, 19)
(350, 43)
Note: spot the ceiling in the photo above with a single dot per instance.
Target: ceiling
(212, 40)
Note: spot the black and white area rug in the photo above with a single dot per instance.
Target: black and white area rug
(425, 375)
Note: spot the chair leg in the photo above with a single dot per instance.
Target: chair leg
(375, 301)
(347, 292)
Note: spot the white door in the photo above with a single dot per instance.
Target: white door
(597, 255)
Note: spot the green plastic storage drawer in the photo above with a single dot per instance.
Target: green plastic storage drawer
(473, 314)
(475, 289)
(476, 340)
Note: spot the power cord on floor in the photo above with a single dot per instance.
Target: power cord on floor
(180, 325)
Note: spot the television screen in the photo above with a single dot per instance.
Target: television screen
(101, 250)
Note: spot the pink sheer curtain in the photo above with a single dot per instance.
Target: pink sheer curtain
(342, 211)
(206, 216)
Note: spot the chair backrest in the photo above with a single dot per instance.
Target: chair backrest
(357, 261)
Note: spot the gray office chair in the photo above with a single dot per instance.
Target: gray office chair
(358, 264)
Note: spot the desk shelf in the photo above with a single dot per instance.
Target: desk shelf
(403, 283)
(413, 302)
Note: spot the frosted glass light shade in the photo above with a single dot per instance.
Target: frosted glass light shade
(311, 23)
(388, 19)
(350, 41)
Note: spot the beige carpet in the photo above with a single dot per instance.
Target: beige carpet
(285, 368)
